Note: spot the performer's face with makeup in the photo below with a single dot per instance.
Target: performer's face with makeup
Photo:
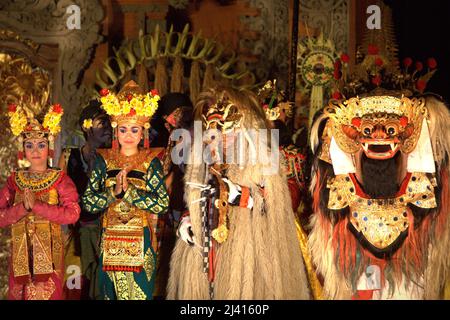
(129, 135)
(36, 152)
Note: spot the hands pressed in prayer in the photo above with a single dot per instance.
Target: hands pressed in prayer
(28, 199)
(121, 182)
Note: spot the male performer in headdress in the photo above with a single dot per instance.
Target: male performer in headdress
(78, 163)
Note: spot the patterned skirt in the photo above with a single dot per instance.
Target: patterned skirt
(124, 285)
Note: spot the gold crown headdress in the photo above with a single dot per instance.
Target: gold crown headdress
(274, 101)
(130, 105)
(24, 125)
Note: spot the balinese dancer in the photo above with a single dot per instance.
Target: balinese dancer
(84, 237)
(239, 240)
(35, 202)
(128, 183)
(381, 198)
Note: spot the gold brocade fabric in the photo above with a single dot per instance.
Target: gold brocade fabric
(126, 287)
(35, 240)
(123, 242)
(139, 162)
(41, 290)
(381, 221)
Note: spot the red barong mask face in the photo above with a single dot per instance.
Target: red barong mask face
(380, 126)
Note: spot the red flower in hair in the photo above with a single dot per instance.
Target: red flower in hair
(12, 107)
(154, 92)
(376, 80)
(421, 85)
(419, 66)
(432, 63)
(132, 112)
(336, 95)
(104, 92)
(379, 62)
(407, 62)
(265, 106)
(356, 122)
(345, 58)
(57, 108)
(372, 49)
(404, 121)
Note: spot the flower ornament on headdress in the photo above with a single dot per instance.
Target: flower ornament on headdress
(87, 124)
(274, 101)
(130, 105)
(52, 119)
(25, 126)
(17, 119)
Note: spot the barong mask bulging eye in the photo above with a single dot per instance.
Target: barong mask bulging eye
(380, 126)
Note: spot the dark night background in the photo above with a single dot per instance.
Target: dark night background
(423, 31)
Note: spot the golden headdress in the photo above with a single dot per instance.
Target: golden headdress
(274, 101)
(24, 125)
(223, 115)
(130, 105)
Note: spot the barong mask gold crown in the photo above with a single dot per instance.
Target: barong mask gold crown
(223, 115)
(25, 126)
(274, 101)
(379, 125)
(131, 105)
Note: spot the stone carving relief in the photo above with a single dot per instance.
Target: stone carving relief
(272, 43)
(44, 22)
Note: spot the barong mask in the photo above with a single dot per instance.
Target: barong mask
(380, 126)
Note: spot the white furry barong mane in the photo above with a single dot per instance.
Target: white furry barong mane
(261, 259)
